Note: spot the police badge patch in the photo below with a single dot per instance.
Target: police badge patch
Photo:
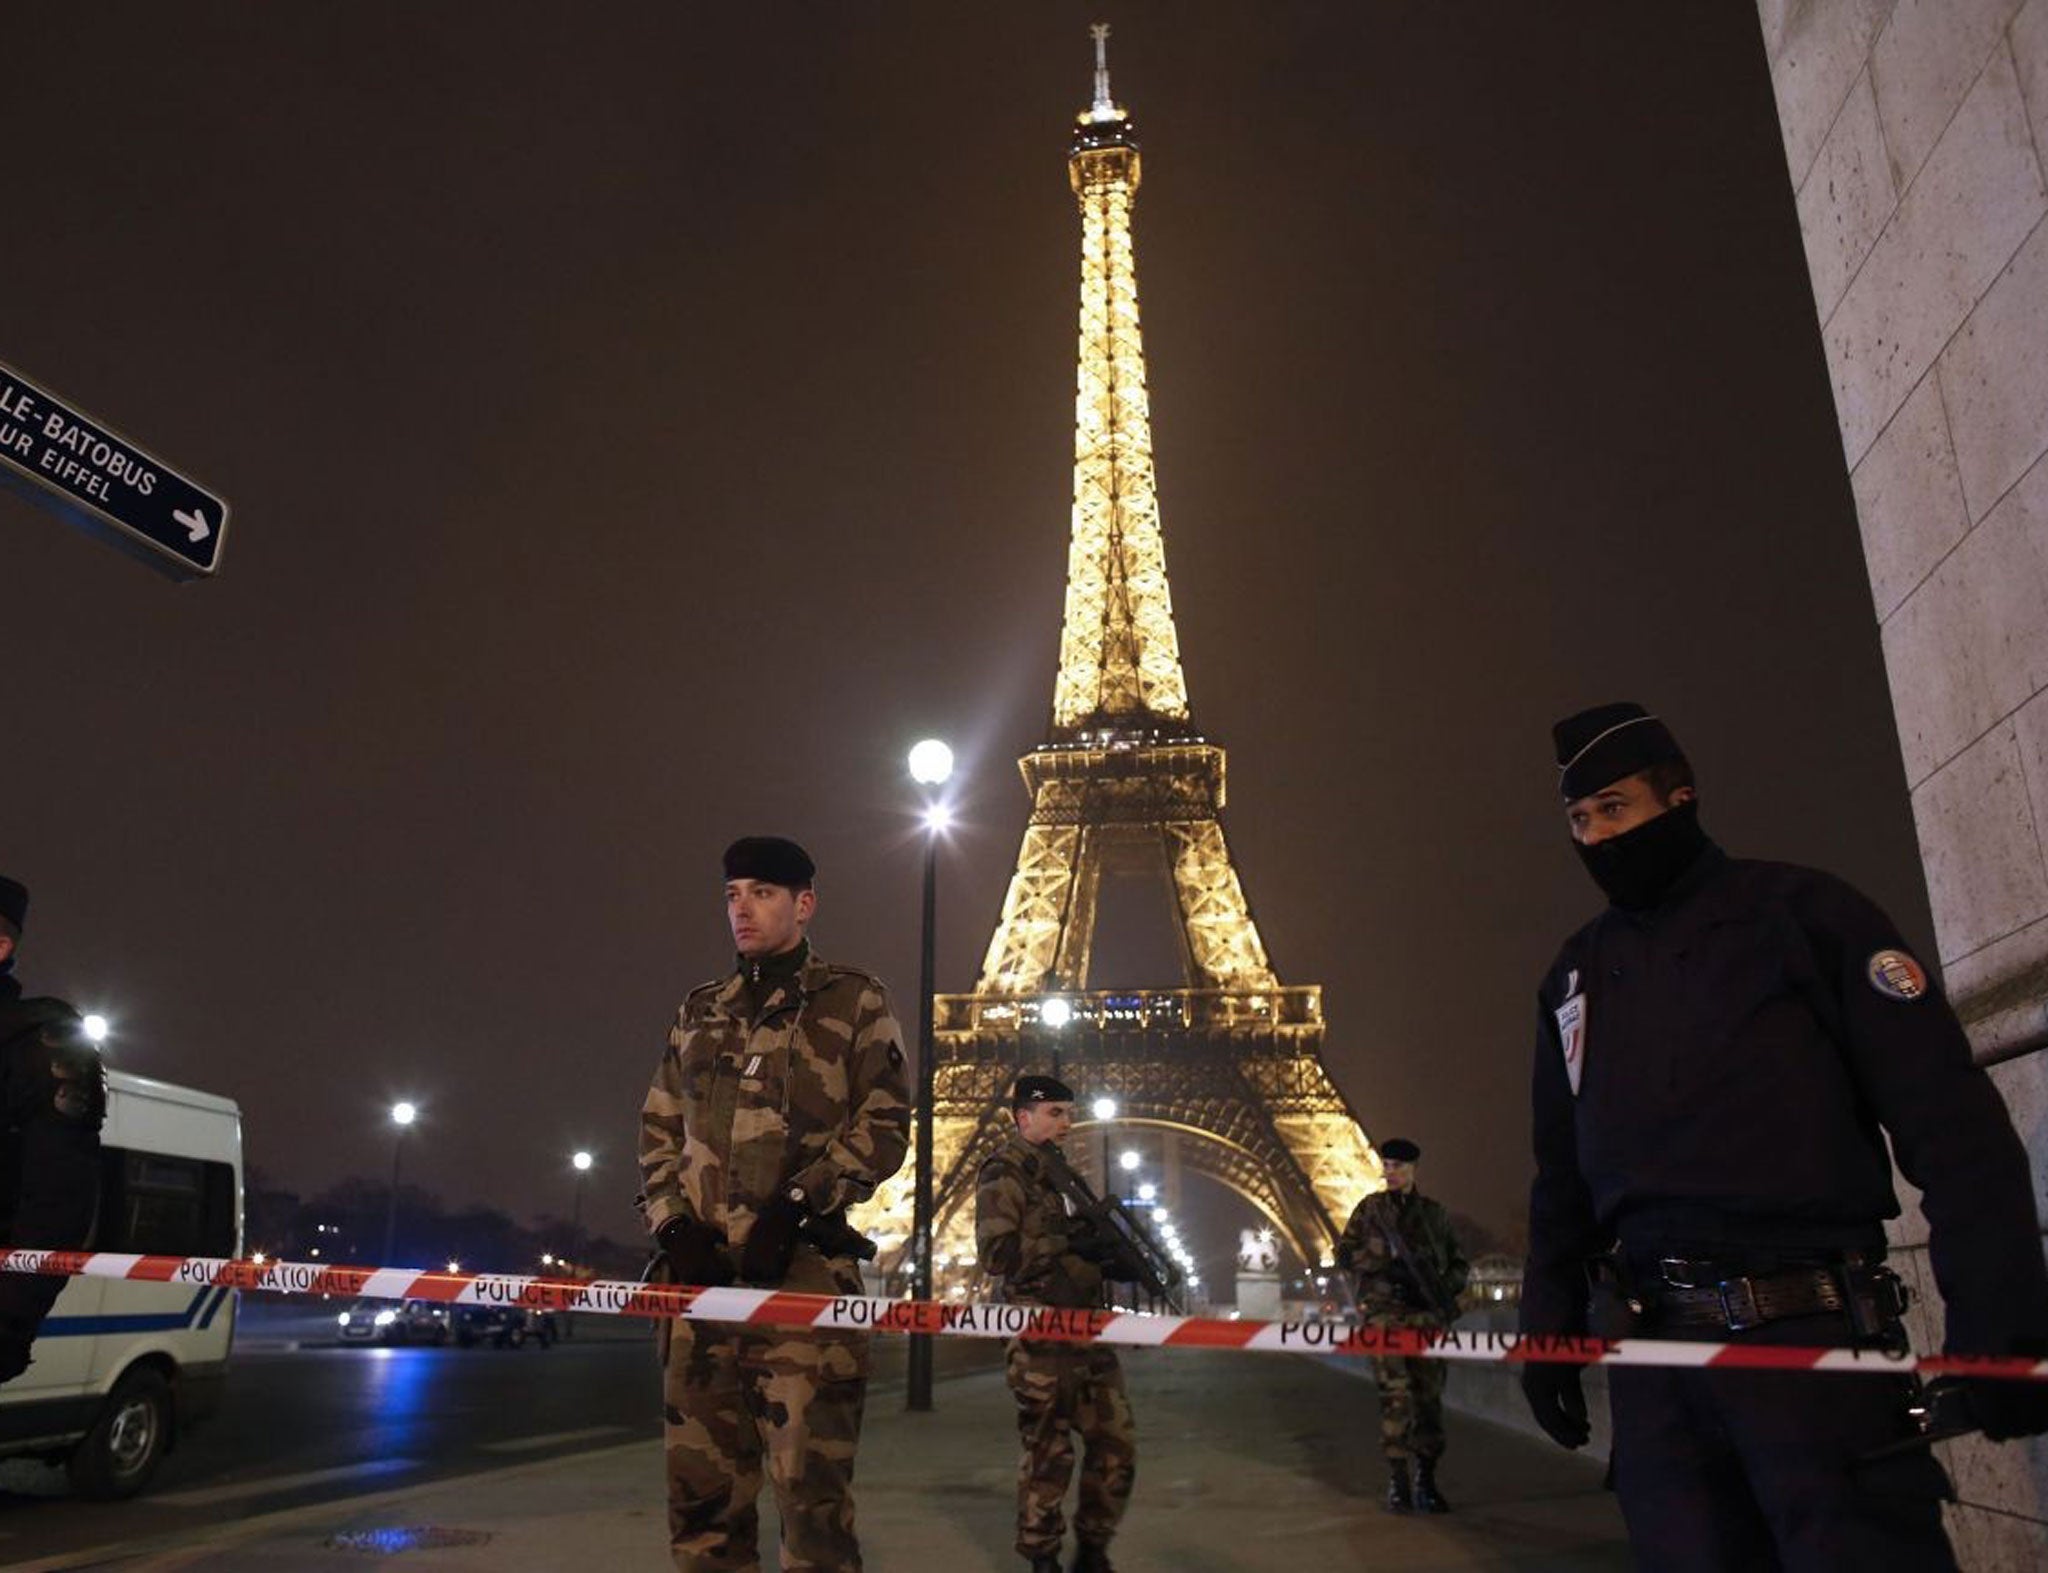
(1897, 975)
(1571, 1031)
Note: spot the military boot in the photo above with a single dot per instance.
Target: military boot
(1089, 1558)
(1399, 1498)
(1428, 1499)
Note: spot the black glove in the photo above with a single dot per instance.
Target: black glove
(1557, 1398)
(1096, 1247)
(13, 1355)
(764, 1259)
(2006, 1409)
(695, 1252)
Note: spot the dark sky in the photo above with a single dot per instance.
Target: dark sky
(643, 424)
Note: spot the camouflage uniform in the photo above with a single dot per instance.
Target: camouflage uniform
(808, 1090)
(1021, 1229)
(1411, 1391)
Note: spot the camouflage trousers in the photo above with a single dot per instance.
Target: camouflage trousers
(1411, 1393)
(735, 1400)
(1060, 1389)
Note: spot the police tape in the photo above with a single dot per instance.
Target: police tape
(968, 1319)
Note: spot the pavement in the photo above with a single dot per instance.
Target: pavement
(1247, 1463)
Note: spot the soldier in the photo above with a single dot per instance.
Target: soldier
(55, 1098)
(1026, 1237)
(1410, 1274)
(1719, 1057)
(781, 1100)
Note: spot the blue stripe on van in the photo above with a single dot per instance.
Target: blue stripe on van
(219, 1299)
(151, 1322)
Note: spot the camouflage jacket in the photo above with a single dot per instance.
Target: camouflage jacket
(810, 1092)
(1021, 1231)
(1384, 1282)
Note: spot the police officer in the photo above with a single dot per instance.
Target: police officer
(1410, 1272)
(53, 1098)
(781, 1100)
(1027, 1238)
(1720, 1055)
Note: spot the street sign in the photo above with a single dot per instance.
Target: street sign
(91, 476)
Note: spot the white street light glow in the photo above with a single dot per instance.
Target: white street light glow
(931, 762)
(404, 1113)
(1130, 1161)
(95, 1027)
(1105, 1108)
(1057, 1012)
(582, 1161)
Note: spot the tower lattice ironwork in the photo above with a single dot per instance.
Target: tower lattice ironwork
(1126, 785)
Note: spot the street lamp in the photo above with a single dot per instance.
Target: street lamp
(1104, 1109)
(931, 764)
(402, 1116)
(581, 1163)
(94, 1027)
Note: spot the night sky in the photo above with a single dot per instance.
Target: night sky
(642, 424)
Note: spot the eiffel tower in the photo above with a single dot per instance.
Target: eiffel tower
(1126, 786)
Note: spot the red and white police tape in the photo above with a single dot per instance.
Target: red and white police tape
(863, 1313)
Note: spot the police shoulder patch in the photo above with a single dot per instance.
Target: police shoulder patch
(1896, 975)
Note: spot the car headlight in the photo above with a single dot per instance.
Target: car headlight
(343, 1318)
(386, 1318)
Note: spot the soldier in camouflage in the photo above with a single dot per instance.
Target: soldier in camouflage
(1410, 1273)
(1043, 1255)
(781, 1100)
(53, 1097)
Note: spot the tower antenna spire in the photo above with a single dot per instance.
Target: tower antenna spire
(1103, 108)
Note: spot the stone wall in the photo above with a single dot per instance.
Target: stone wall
(1916, 135)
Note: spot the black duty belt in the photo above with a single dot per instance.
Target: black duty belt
(1693, 1296)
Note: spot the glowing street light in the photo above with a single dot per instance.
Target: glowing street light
(931, 766)
(581, 1163)
(1130, 1161)
(1056, 1013)
(402, 1116)
(931, 763)
(95, 1027)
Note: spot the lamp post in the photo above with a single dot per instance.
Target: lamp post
(402, 1116)
(931, 762)
(581, 1163)
(1104, 1109)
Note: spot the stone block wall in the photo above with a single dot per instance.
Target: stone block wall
(1916, 137)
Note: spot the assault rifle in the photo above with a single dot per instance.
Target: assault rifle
(1135, 1257)
(1436, 1299)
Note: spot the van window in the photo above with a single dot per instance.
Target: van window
(156, 1205)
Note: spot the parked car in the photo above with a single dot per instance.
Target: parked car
(382, 1322)
(505, 1326)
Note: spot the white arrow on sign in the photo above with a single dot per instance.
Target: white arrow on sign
(195, 523)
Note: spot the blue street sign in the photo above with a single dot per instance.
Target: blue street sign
(91, 476)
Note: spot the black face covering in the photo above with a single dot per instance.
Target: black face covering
(1636, 868)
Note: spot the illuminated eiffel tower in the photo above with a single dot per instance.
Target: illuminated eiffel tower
(1125, 785)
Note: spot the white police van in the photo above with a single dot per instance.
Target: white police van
(119, 1368)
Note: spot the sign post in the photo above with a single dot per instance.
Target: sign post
(92, 477)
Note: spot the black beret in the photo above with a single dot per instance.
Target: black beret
(1597, 747)
(1040, 1089)
(1400, 1150)
(773, 860)
(13, 901)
